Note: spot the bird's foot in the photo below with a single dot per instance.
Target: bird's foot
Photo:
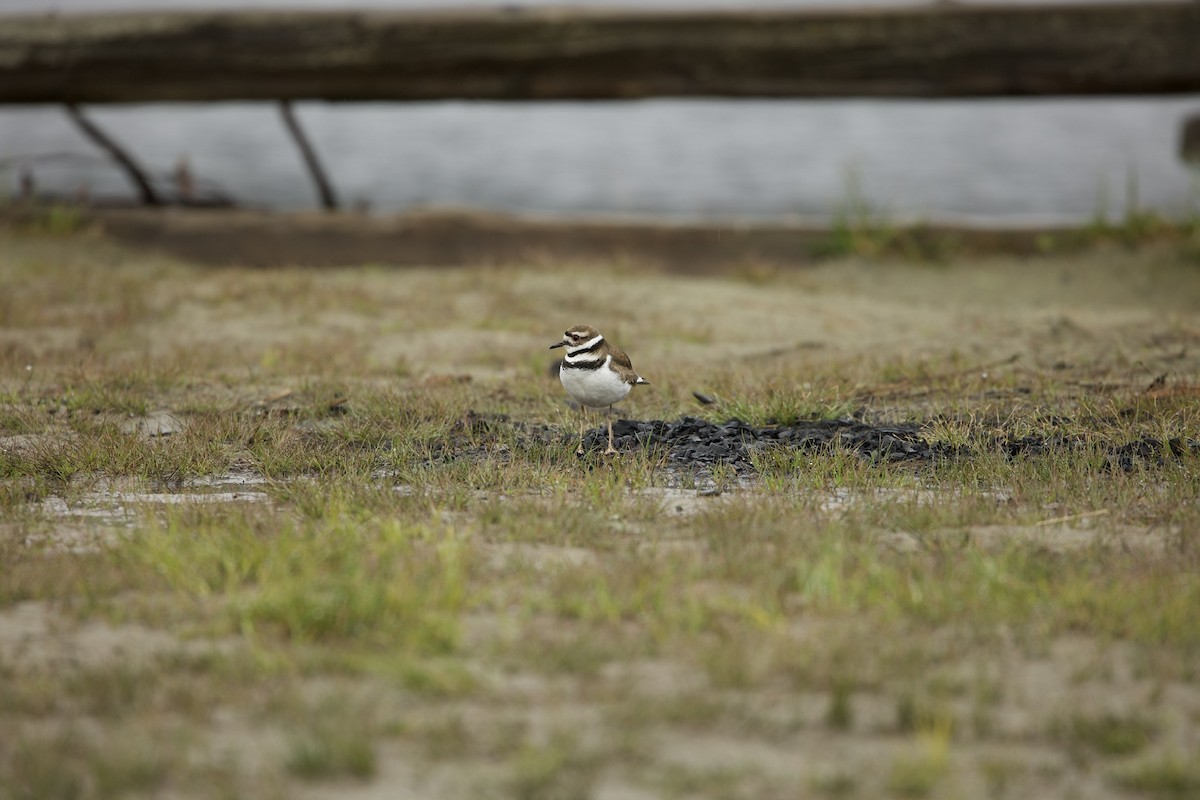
(612, 451)
(579, 451)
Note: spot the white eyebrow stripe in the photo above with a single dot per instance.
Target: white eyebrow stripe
(588, 345)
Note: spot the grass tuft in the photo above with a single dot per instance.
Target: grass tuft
(377, 581)
(1161, 776)
(559, 770)
(1107, 734)
(918, 774)
(329, 750)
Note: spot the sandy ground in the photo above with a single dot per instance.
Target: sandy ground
(1111, 310)
(1105, 319)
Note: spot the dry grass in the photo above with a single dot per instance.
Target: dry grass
(364, 557)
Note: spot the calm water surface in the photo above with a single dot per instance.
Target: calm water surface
(1000, 160)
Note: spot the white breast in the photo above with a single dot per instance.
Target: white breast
(595, 388)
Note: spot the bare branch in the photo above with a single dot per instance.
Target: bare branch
(131, 168)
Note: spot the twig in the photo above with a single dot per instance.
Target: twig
(324, 188)
(126, 161)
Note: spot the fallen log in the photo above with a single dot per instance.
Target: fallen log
(941, 50)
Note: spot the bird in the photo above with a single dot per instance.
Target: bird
(596, 374)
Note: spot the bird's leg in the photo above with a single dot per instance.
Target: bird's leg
(582, 415)
(611, 451)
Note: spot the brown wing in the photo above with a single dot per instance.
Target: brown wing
(622, 364)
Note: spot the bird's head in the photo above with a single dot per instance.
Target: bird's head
(577, 336)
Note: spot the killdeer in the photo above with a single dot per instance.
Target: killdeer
(595, 373)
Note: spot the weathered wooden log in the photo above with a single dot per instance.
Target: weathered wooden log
(552, 54)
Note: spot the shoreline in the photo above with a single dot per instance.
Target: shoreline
(453, 237)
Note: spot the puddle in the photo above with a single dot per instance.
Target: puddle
(154, 424)
(165, 498)
(118, 506)
(841, 499)
(677, 502)
(227, 481)
(113, 507)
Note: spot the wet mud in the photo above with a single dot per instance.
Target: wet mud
(694, 442)
(699, 444)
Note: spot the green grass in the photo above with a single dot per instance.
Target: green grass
(1107, 734)
(1171, 775)
(783, 403)
(419, 580)
(125, 728)
(343, 577)
(334, 740)
(554, 771)
(920, 772)
(70, 765)
(859, 230)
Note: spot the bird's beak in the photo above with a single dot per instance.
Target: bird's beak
(559, 344)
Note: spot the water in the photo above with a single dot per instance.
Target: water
(1006, 160)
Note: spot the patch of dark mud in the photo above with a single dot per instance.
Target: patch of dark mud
(695, 442)
(699, 444)
(1126, 457)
